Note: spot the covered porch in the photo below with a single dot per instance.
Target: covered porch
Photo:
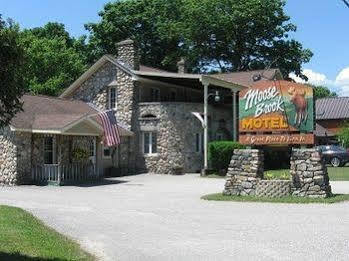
(66, 155)
(64, 159)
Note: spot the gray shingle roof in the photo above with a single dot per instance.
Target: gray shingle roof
(321, 131)
(246, 78)
(332, 108)
(49, 113)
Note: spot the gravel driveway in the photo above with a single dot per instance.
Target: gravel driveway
(153, 217)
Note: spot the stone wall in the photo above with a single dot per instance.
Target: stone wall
(15, 157)
(245, 170)
(309, 174)
(95, 89)
(128, 54)
(176, 130)
(273, 188)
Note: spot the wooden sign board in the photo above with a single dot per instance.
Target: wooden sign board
(276, 107)
(277, 139)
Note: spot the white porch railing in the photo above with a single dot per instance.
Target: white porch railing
(65, 173)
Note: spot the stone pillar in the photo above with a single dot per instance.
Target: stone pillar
(309, 174)
(245, 170)
(128, 54)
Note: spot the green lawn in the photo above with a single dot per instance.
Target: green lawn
(335, 174)
(24, 237)
(292, 200)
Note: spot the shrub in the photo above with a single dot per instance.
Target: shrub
(220, 153)
(343, 135)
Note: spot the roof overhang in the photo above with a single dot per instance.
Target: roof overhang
(91, 71)
(171, 78)
(76, 128)
(196, 81)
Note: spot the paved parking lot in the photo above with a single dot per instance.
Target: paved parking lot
(153, 217)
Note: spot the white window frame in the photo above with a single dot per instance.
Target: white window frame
(150, 144)
(53, 149)
(103, 150)
(152, 91)
(110, 100)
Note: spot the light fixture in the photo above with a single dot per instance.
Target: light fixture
(217, 98)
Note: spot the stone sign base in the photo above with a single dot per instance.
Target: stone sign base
(245, 170)
(309, 176)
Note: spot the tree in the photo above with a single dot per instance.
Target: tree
(322, 91)
(214, 35)
(53, 59)
(153, 24)
(343, 135)
(12, 84)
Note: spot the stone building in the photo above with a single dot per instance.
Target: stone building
(155, 110)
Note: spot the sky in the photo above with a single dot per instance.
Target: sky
(322, 27)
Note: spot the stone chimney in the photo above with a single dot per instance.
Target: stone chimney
(128, 54)
(181, 66)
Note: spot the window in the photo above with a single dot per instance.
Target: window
(149, 142)
(106, 152)
(173, 95)
(155, 95)
(92, 148)
(112, 98)
(49, 150)
(219, 136)
(199, 142)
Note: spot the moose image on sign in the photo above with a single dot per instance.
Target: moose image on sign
(282, 109)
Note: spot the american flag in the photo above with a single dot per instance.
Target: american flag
(110, 126)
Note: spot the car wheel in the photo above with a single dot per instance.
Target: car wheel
(335, 162)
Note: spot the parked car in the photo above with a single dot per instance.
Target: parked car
(335, 155)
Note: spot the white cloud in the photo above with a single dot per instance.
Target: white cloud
(313, 77)
(340, 85)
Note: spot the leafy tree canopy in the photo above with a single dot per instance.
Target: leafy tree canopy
(322, 91)
(11, 81)
(53, 58)
(343, 135)
(214, 35)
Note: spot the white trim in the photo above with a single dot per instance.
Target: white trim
(72, 124)
(209, 80)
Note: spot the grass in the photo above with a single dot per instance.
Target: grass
(291, 200)
(24, 237)
(335, 174)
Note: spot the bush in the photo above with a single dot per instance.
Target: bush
(220, 153)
